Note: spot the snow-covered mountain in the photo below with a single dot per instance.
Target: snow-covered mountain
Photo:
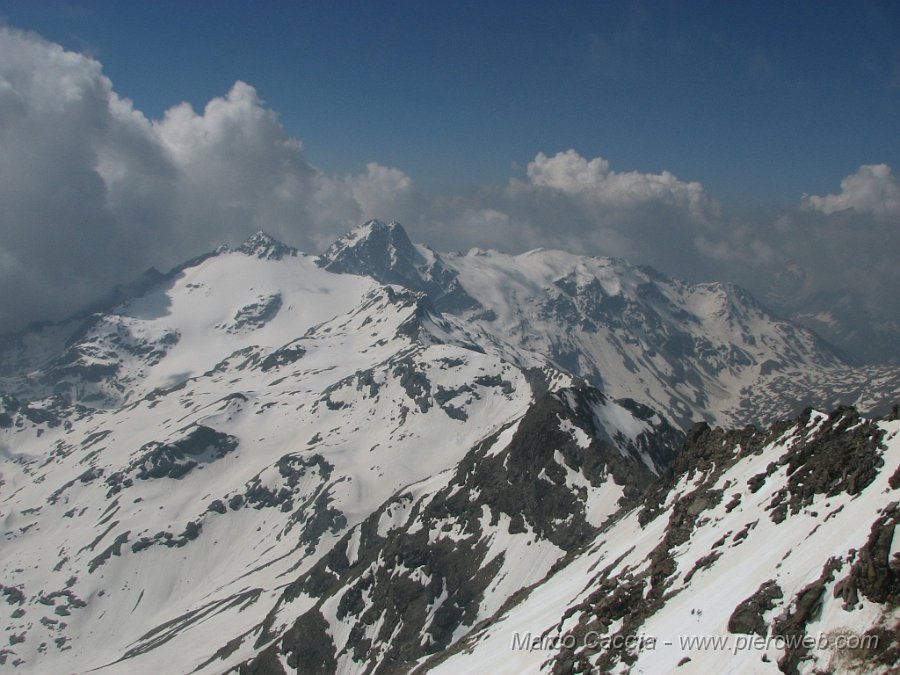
(696, 351)
(265, 461)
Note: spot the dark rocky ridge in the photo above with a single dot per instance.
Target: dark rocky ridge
(812, 464)
(266, 247)
(509, 482)
(631, 597)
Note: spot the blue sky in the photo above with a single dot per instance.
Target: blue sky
(760, 102)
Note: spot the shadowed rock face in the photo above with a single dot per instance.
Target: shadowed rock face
(875, 575)
(385, 253)
(748, 616)
(257, 314)
(381, 251)
(175, 459)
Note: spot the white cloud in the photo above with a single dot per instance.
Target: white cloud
(61, 128)
(572, 174)
(568, 171)
(873, 189)
(466, 226)
(579, 204)
(92, 192)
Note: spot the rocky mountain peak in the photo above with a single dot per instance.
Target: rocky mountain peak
(385, 253)
(266, 247)
(377, 249)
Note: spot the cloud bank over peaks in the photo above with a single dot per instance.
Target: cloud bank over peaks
(92, 191)
(582, 204)
(846, 245)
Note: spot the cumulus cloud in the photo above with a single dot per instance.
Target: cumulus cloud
(838, 246)
(873, 189)
(834, 254)
(593, 180)
(383, 192)
(60, 125)
(91, 191)
(844, 252)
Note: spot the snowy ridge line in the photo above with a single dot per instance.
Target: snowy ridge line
(693, 351)
(765, 575)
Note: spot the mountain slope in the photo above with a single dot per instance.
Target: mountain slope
(771, 551)
(448, 552)
(382, 457)
(288, 410)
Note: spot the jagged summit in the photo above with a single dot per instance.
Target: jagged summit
(266, 247)
(377, 249)
(385, 253)
(373, 226)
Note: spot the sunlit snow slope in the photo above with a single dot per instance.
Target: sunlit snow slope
(752, 543)
(251, 410)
